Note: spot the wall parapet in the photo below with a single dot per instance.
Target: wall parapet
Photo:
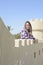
(24, 42)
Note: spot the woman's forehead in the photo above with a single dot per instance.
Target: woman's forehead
(27, 23)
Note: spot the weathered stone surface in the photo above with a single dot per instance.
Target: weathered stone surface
(26, 54)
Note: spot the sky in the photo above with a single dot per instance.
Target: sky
(14, 13)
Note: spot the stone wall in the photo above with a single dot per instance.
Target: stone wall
(6, 43)
(19, 51)
(37, 28)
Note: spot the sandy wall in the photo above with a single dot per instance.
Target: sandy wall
(31, 54)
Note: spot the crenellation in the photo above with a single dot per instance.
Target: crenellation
(24, 42)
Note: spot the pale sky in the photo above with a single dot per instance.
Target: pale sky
(15, 12)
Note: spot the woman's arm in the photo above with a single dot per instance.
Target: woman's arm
(31, 37)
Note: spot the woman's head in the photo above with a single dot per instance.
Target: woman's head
(28, 26)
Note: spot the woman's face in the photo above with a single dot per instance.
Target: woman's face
(27, 26)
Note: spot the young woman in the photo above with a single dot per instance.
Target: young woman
(26, 33)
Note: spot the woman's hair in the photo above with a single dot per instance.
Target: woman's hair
(30, 26)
